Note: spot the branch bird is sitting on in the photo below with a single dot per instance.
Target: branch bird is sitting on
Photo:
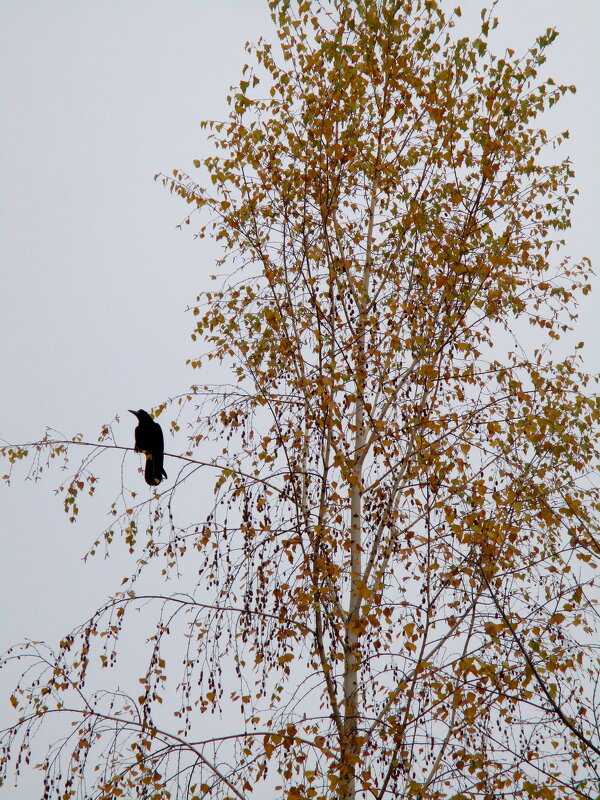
(149, 440)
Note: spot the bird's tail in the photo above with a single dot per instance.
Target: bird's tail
(154, 472)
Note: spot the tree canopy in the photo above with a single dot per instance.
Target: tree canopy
(393, 593)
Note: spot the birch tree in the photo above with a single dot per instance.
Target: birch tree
(393, 594)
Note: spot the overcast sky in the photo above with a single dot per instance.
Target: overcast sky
(96, 97)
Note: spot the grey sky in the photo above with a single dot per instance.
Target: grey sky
(96, 97)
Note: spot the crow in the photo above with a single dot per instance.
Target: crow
(149, 440)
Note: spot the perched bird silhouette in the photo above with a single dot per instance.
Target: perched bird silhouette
(149, 440)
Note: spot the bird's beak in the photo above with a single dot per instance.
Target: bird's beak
(132, 412)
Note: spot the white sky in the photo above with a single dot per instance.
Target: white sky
(96, 97)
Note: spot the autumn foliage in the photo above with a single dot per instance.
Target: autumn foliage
(393, 594)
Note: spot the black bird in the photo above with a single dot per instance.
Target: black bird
(149, 440)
